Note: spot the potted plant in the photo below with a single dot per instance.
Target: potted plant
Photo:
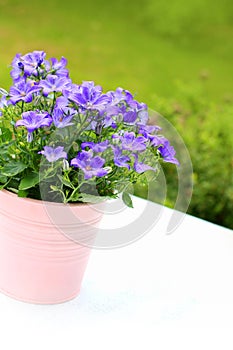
(69, 146)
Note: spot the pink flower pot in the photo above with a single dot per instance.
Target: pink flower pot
(44, 247)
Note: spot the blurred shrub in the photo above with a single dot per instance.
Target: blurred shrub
(207, 132)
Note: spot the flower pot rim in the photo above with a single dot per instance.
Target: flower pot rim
(41, 201)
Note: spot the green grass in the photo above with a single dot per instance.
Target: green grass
(120, 44)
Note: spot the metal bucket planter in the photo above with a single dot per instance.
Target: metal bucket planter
(44, 248)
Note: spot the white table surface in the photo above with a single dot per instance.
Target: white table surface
(160, 292)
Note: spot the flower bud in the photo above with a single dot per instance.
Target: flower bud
(108, 169)
(66, 165)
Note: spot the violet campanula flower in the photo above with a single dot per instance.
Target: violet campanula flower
(69, 91)
(120, 95)
(64, 104)
(61, 102)
(53, 154)
(53, 83)
(58, 67)
(141, 167)
(61, 119)
(112, 111)
(157, 140)
(109, 116)
(148, 130)
(143, 116)
(119, 159)
(89, 164)
(23, 91)
(130, 109)
(96, 147)
(142, 111)
(89, 96)
(108, 121)
(72, 88)
(168, 152)
(33, 120)
(130, 117)
(17, 68)
(133, 143)
(31, 62)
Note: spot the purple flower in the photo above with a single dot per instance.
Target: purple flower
(61, 119)
(130, 117)
(143, 116)
(108, 117)
(168, 153)
(119, 96)
(141, 110)
(28, 65)
(53, 83)
(148, 130)
(58, 67)
(141, 167)
(157, 140)
(61, 102)
(34, 120)
(53, 154)
(96, 147)
(30, 62)
(120, 160)
(17, 68)
(132, 143)
(91, 166)
(23, 91)
(112, 110)
(72, 88)
(89, 96)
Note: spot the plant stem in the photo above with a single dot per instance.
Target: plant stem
(22, 107)
(54, 100)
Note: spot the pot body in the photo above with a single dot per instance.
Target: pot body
(44, 247)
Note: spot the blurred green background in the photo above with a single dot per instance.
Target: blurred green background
(177, 56)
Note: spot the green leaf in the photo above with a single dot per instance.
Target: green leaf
(122, 185)
(127, 199)
(55, 188)
(59, 193)
(12, 189)
(29, 181)
(3, 179)
(66, 182)
(22, 194)
(5, 134)
(90, 198)
(13, 168)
